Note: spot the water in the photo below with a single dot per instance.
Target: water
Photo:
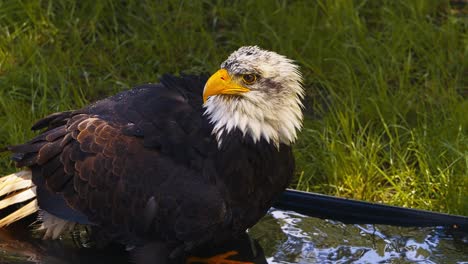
(286, 237)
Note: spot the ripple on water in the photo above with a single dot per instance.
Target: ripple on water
(289, 237)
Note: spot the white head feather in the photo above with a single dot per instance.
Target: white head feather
(272, 109)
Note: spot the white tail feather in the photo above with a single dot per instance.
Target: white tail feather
(18, 197)
(24, 211)
(15, 181)
(21, 188)
(18, 187)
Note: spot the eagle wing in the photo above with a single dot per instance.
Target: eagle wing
(133, 164)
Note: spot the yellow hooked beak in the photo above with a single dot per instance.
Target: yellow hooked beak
(221, 83)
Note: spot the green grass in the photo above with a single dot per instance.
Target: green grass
(386, 80)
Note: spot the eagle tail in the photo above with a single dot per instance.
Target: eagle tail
(16, 188)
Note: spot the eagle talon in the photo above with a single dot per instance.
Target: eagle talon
(217, 259)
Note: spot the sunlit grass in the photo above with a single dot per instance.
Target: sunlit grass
(386, 80)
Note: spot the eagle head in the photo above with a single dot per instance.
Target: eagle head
(258, 92)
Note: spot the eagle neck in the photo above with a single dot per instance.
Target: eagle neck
(259, 119)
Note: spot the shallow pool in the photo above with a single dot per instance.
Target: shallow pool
(286, 237)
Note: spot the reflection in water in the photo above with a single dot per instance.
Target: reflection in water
(289, 237)
(286, 237)
(17, 246)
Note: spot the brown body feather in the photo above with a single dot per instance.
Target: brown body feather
(143, 166)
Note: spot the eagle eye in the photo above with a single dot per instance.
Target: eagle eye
(249, 78)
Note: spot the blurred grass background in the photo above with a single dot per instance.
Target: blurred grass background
(386, 80)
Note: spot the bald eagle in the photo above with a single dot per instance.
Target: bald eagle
(179, 164)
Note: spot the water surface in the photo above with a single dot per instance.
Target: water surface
(286, 237)
(289, 237)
